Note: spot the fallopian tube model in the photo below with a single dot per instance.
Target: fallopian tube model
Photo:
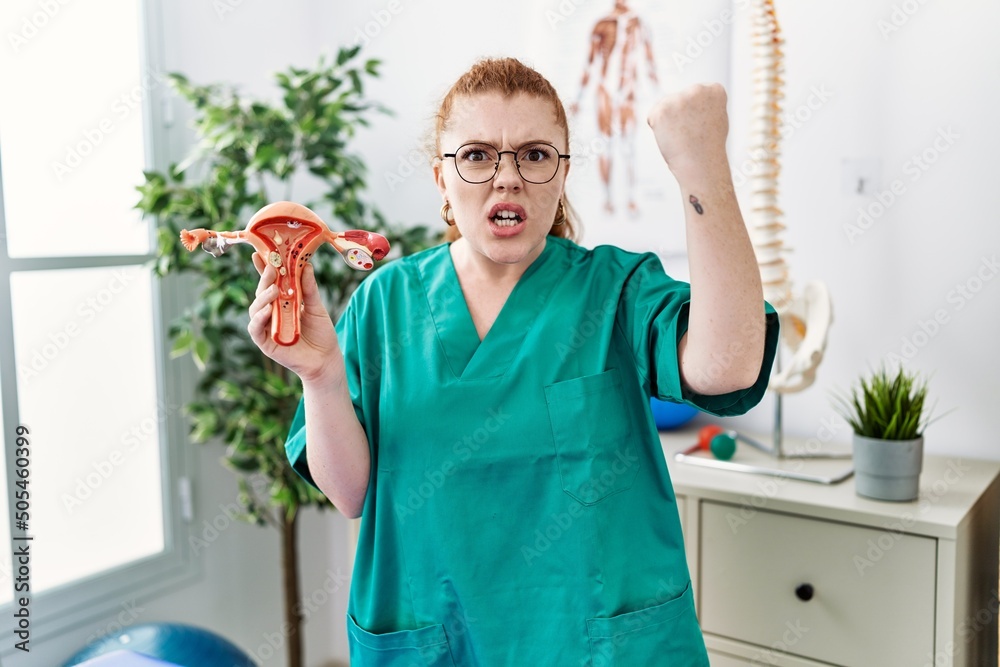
(285, 235)
(806, 317)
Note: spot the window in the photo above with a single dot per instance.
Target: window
(81, 335)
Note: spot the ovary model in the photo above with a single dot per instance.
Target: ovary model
(285, 235)
(805, 317)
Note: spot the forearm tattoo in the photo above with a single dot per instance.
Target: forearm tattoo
(697, 205)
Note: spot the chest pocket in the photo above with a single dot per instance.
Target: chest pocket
(592, 430)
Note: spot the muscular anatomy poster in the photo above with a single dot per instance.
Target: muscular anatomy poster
(611, 60)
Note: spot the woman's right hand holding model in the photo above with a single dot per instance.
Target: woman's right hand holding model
(337, 451)
(316, 352)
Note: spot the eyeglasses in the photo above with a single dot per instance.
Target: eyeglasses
(478, 163)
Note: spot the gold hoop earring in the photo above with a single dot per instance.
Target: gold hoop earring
(560, 218)
(447, 214)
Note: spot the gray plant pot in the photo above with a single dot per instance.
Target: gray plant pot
(888, 469)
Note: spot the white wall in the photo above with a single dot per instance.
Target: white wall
(897, 73)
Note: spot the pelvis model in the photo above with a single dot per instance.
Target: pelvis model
(285, 235)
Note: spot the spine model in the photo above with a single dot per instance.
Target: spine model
(765, 219)
(805, 317)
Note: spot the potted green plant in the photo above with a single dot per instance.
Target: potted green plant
(888, 414)
(250, 152)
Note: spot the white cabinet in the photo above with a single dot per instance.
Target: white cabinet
(816, 595)
(800, 574)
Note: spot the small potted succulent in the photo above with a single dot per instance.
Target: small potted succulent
(888, 414)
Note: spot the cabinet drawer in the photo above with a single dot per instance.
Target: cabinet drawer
(873, 590)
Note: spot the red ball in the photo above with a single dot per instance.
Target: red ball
(706, 434)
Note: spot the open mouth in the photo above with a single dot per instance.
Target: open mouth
(506, 214)
(506, 218)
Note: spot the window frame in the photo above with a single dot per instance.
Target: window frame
(109, 593)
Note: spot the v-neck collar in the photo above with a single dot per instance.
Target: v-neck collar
(467, 356)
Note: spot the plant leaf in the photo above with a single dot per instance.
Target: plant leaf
(199, 352)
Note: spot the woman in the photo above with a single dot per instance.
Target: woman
(483, 405)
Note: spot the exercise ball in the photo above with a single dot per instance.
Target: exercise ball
(668, 415)
(183, 645)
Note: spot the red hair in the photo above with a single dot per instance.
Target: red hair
(508, 77)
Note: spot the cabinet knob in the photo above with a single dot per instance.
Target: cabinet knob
(804, 592)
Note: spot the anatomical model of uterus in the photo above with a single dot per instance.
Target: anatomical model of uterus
(286, 235)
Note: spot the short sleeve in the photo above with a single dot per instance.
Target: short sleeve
(653, 314)
(347, 338)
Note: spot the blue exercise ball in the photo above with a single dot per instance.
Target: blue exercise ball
(175, 643)
(668, 415)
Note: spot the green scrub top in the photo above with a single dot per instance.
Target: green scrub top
(519, 510)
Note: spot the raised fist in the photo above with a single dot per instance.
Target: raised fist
(690, 127)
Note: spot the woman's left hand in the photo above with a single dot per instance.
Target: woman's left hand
(690, 127)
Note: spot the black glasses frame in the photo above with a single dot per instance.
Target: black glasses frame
(500, 154)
